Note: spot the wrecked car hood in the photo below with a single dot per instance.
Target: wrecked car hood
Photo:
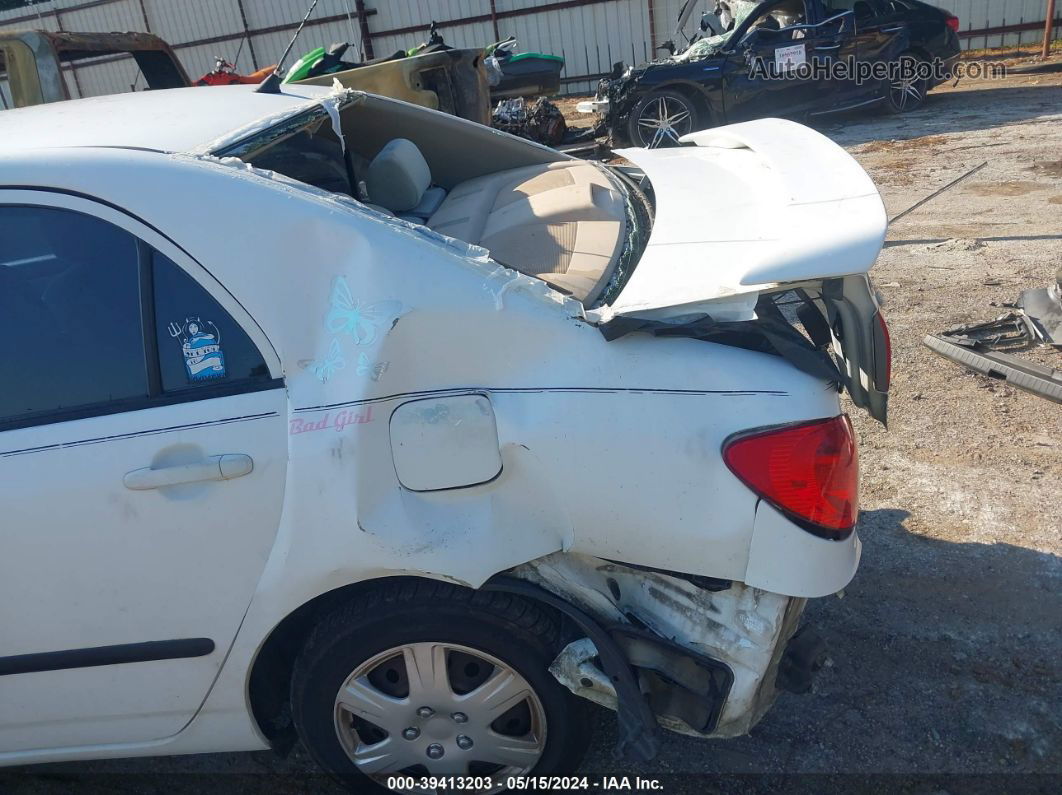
(746, 208)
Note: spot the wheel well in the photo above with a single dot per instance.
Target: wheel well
(698, 98)
(270, 681)
(918, 51)
(691, 93)
(269, 688)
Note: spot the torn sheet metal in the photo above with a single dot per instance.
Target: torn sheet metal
(1043, 312)
(281, 124)
(1006, 332)
(743, 628)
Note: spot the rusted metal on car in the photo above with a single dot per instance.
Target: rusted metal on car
(33, 61)
(452, 81)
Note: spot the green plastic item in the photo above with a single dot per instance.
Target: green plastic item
(522, 55)
(300, 70)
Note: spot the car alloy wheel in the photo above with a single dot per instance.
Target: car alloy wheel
(661, 119)
(439, 709)
(908, 93)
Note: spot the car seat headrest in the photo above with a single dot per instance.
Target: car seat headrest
(398, 176)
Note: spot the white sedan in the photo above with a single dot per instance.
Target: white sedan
(325, 411)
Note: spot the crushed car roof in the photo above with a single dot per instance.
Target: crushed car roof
(175, 120)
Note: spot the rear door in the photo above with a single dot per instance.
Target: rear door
(142, 463)
(880, 35)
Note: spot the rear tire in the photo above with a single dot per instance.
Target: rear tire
(450, 648)
(904, 95)
(659, 119)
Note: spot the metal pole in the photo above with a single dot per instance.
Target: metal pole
(143, 13)
(73, 67)
(652, 30)
(494, 19)
(247, 35)
(1048, 27)
(366, 35)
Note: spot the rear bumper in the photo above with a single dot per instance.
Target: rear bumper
(1045, 382)
(787, 559)
(706, 652)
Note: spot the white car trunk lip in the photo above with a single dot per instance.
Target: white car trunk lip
(747, 208)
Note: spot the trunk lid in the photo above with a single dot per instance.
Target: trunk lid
(752, 212)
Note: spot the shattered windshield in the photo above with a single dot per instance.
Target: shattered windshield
(727, 17)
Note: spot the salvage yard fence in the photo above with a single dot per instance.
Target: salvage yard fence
(590, 34)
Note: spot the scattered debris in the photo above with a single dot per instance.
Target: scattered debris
(539, 121)
(1046, 382)
(956, 244)
(1037, 319)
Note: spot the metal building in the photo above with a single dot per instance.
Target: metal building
(590, 34)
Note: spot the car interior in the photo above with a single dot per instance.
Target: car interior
(535, 210)
(774, 22)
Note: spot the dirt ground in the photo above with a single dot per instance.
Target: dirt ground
(945, 670)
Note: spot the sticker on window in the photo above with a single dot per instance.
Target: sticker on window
(201, 345)
(788, 58)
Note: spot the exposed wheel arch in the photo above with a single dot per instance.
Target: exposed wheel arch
(709, 115)
(270, 675)
(272, 669)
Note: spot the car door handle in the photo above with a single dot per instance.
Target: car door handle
(218, 467)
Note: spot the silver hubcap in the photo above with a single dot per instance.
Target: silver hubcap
(440, 707)
(908, 94)
(663, 121)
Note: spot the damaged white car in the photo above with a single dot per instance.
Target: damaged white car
(331, 416)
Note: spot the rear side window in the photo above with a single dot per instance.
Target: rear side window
(69, 312)
(863, 9)
(95, 322)
(199, 343)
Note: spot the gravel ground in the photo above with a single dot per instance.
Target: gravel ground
(944, 673)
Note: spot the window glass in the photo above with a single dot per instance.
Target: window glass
(199, 343)
(69, 312)
(863, 9)
(771, 24)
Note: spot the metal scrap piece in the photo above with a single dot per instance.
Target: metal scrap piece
(1043, 313)
(1042, 381)
(1006, 332)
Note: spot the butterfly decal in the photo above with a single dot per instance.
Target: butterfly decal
(373, 371)
(332, 363)
(360, 320)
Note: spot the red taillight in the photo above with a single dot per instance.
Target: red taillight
(882, 355)
(809, 472)
(953, 23)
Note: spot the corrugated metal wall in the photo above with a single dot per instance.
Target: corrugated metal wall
(590, 34)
